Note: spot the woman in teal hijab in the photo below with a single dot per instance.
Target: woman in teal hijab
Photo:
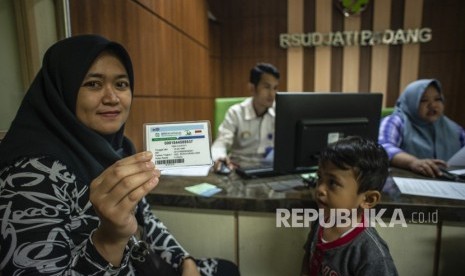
(418, 136)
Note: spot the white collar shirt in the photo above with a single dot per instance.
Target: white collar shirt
(244, 135)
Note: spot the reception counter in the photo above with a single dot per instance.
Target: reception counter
(258, 195)
(239, 223)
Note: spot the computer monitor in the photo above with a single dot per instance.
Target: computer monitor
(306, 122)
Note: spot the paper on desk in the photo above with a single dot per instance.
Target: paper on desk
(458, 159)
(203, 189)
(187, 171)
(458, 172)
(431, 188)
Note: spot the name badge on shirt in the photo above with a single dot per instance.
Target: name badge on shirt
(179, 144)
(245, 134)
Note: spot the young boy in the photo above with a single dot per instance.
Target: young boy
(351, 174)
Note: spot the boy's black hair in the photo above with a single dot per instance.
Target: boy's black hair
(367, 159)
(261, 68)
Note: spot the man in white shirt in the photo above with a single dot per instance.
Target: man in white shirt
(247, 132)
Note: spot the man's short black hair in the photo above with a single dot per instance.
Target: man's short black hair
(261, 68)
(367, 159)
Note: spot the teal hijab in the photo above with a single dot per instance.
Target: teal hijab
(439, 139)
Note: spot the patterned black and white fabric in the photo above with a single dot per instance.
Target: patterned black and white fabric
(48, 159)
(46, 221)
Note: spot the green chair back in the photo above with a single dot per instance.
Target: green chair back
(386, 111)
(221, 107)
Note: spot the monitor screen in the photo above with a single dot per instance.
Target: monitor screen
(306, 122)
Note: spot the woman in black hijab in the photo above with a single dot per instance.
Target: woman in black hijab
(69, 179)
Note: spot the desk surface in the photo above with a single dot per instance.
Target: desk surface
(255, 195)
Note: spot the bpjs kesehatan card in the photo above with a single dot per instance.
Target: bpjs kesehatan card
(179, 144)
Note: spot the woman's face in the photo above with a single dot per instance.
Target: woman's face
(104, 98)
(431, 105)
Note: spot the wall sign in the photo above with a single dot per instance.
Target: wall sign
(356, 38)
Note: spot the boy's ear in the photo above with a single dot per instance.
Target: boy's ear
(370, 199)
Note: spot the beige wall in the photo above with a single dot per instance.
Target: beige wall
(10, 72)
(28, 28)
